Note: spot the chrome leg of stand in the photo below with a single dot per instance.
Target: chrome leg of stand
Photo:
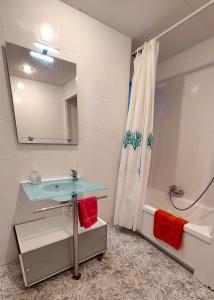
(76, 275)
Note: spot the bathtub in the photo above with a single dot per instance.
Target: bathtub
(197, 249)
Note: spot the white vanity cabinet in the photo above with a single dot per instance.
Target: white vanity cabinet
(46, 246)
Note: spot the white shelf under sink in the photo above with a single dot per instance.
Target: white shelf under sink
(46, 245)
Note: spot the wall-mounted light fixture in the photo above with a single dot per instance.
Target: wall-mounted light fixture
(43, 47)
(42, 56)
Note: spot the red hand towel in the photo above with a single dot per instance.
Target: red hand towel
(168, 228)
(87, 209)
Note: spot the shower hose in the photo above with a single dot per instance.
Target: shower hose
(201, 195)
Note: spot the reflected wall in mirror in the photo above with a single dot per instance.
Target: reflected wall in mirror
(44, 93)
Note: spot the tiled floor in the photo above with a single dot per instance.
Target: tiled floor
(131, 269)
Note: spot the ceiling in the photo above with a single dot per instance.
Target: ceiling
(58, 73)
(143, 19)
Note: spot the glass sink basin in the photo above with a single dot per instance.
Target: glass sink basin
(61, 187)
(60, 190)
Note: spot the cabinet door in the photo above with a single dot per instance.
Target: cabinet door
(92, 242)
(46, 261)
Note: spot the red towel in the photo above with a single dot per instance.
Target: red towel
(87, 209)
(168, 228)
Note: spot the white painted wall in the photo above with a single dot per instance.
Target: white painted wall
(40, 110)
(183, 152)
(103, 59)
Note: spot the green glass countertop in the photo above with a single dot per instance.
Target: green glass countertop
(61, 189)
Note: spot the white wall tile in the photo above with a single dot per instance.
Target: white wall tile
(92, 38)
(89, 91)
(1, 13)
(188, 60)
(5, 100)
(113, 114)
(110, 81)
(183, 123)
(7, 140)
(63, 21)
(94, 47)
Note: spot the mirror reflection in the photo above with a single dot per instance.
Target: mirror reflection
(44, 92)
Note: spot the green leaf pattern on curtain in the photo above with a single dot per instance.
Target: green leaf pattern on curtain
(127, 139)
(132, 138)
(135, 139)
(150, 141)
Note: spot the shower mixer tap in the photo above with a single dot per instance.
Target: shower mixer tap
(175, 191)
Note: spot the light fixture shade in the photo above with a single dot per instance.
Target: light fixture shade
(43, 57)
(46, 47)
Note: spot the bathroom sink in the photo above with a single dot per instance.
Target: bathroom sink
(61, 189)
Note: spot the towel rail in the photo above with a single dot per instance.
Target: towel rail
(51, 207)
(61, 205)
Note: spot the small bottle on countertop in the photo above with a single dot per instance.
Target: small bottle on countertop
(35, 176)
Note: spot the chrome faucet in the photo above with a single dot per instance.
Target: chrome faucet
(74, 175)
(175, 191)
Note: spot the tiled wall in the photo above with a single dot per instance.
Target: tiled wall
(183, 152)
(103, 58)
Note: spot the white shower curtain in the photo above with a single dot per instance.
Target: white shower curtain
(138, 139)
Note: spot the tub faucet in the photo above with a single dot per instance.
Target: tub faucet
(74, 175)
(175, 191)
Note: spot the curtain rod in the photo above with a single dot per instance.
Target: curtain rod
(197, 11)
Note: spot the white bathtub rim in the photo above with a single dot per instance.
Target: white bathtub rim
(200, 231)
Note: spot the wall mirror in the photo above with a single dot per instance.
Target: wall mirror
(44, 93)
